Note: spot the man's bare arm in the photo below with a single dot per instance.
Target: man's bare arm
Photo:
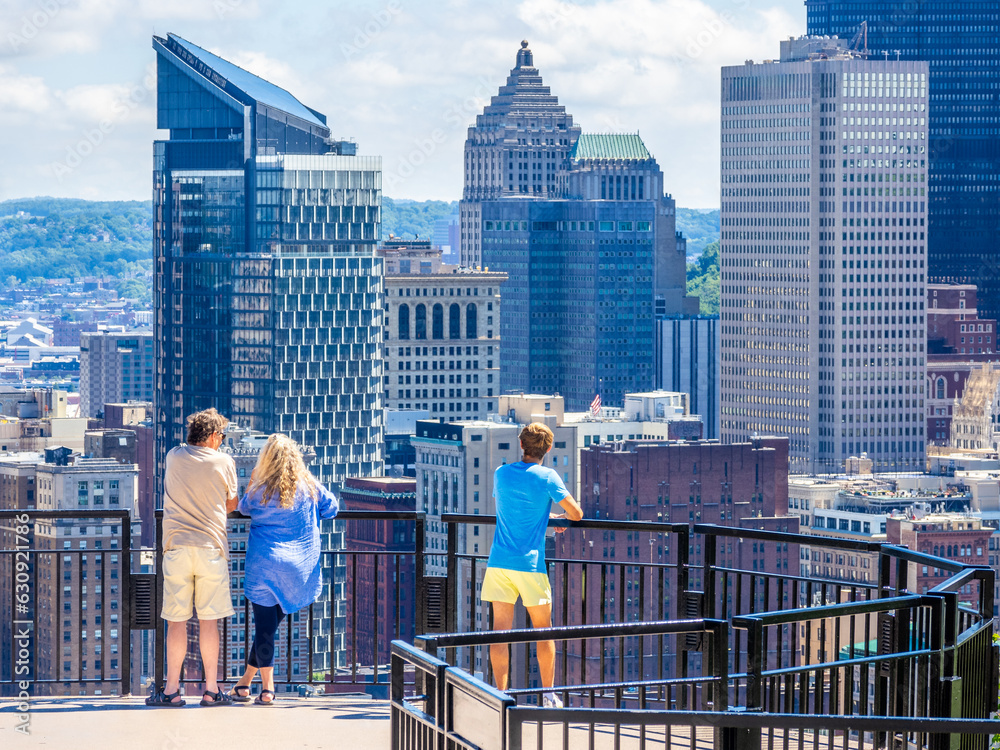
(573, 510)
(231, 504)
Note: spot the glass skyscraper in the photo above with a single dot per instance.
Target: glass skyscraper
(958, 39)
(268, 291)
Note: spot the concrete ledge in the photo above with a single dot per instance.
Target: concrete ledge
(127, 723)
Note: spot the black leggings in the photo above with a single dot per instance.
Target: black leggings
(266, 621)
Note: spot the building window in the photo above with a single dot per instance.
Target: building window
(940, 388)
(471, 322)
(404, 322)
(454, 322)
(437, 322)
(420, 328)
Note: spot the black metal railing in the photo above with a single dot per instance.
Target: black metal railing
(710, 689)
(798, 644)
(867, 659)
(587, 592)
(64, 575)
(451, 708)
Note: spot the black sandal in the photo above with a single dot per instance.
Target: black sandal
(235, 695)
(218, 699)
(165, 700)
(259, 702)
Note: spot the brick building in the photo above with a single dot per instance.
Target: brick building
(953, 536)
(137, 417)
(954, 326)
(383, 583)
(958, 341)
(743, 485)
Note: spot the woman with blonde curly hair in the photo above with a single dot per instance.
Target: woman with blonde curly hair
(284, 503)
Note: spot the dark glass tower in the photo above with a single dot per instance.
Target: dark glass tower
(267, 292)
(959, 41)
(268, 289)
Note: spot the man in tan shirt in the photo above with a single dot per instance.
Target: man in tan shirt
(199, 490)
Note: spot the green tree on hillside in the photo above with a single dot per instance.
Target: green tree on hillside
(703, 279)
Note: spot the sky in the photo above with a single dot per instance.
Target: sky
(403, 78)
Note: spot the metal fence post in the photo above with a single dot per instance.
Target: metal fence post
(160, 646)
(452, 614)
(126, 619)
(756, 664)
(884, 573)
(708, 584)
(419, 569)
(683, 571)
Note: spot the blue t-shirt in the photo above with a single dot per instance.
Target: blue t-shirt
(524, 494)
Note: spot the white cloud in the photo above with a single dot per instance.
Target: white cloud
(22, 95)
(393, 74)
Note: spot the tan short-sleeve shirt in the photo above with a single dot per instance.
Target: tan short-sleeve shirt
(196, 484)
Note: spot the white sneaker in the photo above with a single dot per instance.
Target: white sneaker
(551, 700)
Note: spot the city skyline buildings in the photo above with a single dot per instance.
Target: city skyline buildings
(582, 226)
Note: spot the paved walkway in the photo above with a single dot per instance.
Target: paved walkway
(126, 724)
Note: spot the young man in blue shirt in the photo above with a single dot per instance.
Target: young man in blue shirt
(524, 493)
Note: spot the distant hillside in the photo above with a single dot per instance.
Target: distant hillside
(62, 238)
(409, 219)
(700, 226)
(53, 238)
(703, 279)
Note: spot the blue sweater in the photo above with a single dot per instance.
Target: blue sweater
(282, 565)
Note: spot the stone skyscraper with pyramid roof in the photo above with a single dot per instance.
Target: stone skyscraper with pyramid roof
(551, 207)
(519, 146)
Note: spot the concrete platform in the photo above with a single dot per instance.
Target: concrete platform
(127, 724)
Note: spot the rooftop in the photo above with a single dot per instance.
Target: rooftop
(628, 146)
(252, 86)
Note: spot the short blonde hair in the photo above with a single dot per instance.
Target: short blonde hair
(536, 439)
(280, 470)
(203, 424)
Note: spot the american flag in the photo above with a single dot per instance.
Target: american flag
(595, 405)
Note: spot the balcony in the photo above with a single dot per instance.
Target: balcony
(698, 634)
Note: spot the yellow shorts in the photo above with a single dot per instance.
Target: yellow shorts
(195, 578)
(502, 585)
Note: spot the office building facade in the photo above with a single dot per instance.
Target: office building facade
(582, 226)
(115, 368)
(957, 40)
(442, 338)
(687, 361)
(823, 255)
(578, 307)
(267, 290)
